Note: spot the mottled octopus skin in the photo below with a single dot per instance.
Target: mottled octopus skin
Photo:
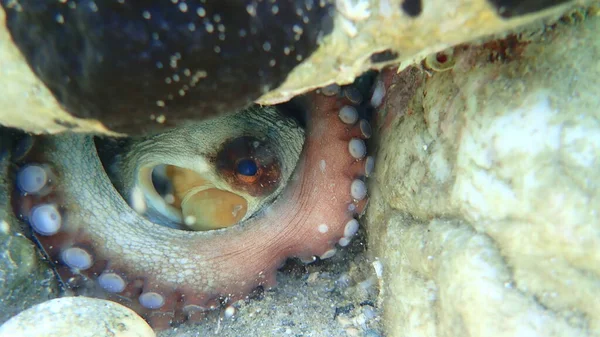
(196, 270)
(129, 62)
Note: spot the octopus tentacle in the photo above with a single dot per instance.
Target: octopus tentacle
(167, 274)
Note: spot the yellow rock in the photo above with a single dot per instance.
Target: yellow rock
(77, 316)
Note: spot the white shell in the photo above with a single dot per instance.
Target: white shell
(77, 316)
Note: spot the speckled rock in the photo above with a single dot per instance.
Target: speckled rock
(127, 63)
(370, 34)
(24, 279)
(23, 92)
(77, 316)
(366, 34)
(485, 213)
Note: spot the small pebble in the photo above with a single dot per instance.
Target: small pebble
(77, 316)
(352, 332)
(312, 277)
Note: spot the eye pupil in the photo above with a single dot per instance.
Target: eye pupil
(247, 167)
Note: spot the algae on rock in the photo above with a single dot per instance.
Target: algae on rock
(485, 204)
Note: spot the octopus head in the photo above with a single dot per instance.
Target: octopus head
(211, 174)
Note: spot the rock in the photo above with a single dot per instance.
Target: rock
(24, 279)
(371, 34)
(26, 102)
(77, 316)
(367, 34)
(160, 63)
(484, 209)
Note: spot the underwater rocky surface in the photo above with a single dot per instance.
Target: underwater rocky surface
(483, 207)
(366, 34)
(24, 280)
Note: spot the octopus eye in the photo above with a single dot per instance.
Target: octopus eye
(251, 165)
(246, 168)
(441, 61)
(209, 175)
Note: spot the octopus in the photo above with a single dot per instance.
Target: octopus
(266, 192)
(175, 222)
